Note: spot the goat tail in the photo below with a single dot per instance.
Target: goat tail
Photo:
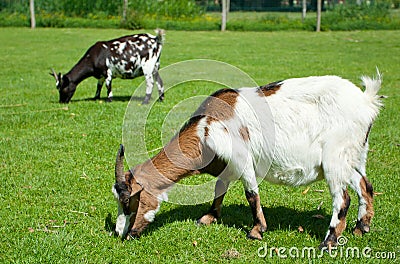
(160, 35)
(372, 85)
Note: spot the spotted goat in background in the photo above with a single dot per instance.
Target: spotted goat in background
(127, 57)
(293, 132)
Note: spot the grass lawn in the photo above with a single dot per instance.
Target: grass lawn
(57, 161)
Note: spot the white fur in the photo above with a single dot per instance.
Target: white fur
(123, 221)
(122, 224)
(116, 66)
(355, 184)
(308, 129)
(151, 214)
(121, 47)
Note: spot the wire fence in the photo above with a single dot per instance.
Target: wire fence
(114, 8)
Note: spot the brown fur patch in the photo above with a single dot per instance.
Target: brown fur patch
(147, 202)
(206, 132)
(260, 224)
(181, 157)
(184, 153)
(269, 89)
(336, 232)
(342, 214)
(366, 136)
(244, 133)
(367, 193)
(218, 106)
(215, 167)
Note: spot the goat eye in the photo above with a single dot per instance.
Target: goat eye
(125, 201)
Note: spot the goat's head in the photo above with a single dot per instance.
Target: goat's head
(65, 87)
(136, 207)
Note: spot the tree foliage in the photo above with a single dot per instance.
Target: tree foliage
(169, 8)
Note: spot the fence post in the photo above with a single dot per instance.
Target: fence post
(319, 7)
(304, 10)
(32, 11)
(225, 10)
(124, 10)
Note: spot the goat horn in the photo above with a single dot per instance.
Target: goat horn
(119, 165)
(54, 74)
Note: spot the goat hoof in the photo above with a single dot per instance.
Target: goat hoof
(109, 100)
(327, 245)
(357, 232)
(256, 232)
(146, 99)
(361, 229)
(206, 219)
(133, 234)
(254, 235)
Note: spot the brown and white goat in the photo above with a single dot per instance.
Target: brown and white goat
(293, 132)
(127, 57)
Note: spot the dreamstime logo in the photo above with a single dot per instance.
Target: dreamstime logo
(312, 253)
(147, 128)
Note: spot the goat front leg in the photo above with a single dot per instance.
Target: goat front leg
(259, 223)
(215, 211)
(364, 190)
(100, 83)
(140, 224)
(253, 198)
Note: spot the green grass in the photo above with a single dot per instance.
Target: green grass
(57, 161)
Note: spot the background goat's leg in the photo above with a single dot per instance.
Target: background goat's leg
(100, 83)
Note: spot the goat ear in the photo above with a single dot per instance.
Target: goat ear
(136, 188)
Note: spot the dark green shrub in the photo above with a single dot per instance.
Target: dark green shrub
(354, 17)
(170, 8)
(134, 20)
(167, 12)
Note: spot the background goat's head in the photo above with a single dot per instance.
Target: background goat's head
(65, 87)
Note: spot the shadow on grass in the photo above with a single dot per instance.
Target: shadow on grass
(239, 216)
(115, 98)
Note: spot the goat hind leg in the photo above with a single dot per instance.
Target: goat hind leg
(341, 203)
(160, 86)
(149, 87)
(364, 190)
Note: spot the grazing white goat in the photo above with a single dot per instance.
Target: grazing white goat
(292, 132)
